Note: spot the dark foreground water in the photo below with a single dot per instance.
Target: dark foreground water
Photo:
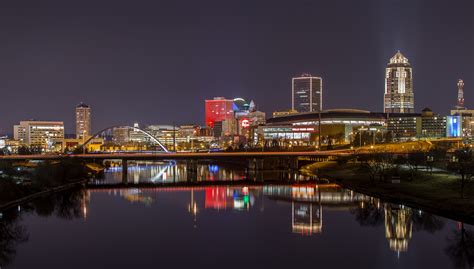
(295, 225)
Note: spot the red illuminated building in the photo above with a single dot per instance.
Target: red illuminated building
(218, 109)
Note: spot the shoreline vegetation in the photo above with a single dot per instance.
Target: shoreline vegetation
(433, 190)
(23, 182)
(36, 195)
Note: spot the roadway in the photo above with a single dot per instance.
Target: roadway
(179, 155)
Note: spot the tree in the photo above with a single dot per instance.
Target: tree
(413, 161)
(12, 233)
(24, 150)
(464, 166)
(369, 214)
(369, 164)
(388, 137)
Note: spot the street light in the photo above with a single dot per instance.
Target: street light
(84, 132)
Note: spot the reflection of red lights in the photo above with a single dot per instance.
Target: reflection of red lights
(245, 190)
(216, 197)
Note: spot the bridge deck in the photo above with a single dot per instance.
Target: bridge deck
(179, 155)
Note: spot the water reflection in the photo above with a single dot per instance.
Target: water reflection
(161, 172)
(69, 205)
(304, 211)
(461, 247)
(398, 226)
(308, 201)
(12, 233)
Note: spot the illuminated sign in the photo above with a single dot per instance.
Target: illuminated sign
(245, 123)
(302, 129)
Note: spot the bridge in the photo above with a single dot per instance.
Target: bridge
(253, 161)
(180, 155)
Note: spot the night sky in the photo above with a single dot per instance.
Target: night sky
(156, 62)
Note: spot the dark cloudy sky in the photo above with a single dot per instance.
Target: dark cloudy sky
(157, 61)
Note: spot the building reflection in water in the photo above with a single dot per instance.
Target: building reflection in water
(221, 198)
(170, 172)
(133, 195)
(398, 226)
(193, 208)
(307, 204)
(306, 218)
(308, 201)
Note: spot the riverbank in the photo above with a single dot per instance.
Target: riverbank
(35, 195)
(437, 193)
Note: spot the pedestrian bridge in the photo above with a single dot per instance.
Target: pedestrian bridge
(123, 138)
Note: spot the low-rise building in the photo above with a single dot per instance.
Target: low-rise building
(467, 120)
(46, 135)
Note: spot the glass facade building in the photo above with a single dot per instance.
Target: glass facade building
(307, 93)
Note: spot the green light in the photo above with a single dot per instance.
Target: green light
(246, 199)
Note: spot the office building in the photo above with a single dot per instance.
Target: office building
(398, 97)
(83, 121)
(136, 135)
(47, 135)
(121, 135)
(218, 109)
(306, 93)
(432, 125)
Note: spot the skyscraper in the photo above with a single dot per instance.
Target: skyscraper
(307, 93)
(399, 96)
(460, 104)
(83, 121)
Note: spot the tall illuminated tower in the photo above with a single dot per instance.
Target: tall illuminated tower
(83, 121)
(398, 97)
(460, 94)
(307, 93)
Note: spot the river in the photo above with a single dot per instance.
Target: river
(285, 222)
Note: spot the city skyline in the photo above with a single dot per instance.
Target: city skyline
(279, 134)
(127, 65)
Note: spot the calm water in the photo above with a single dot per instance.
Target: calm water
(296, 225)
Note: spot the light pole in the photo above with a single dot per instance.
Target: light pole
(83, 141)
(174, 137)
(319, 131)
